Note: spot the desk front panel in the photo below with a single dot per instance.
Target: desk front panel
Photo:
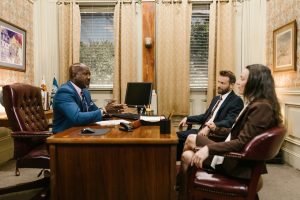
(114, 169)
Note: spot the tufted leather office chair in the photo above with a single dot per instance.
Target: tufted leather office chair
(208, 185)
(23, 106)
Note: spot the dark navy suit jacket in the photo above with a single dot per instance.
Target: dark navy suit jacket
(68, 109)
(226, 114)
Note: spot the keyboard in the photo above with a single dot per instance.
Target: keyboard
(131, 116)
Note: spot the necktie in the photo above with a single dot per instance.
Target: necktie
(215, 107)
(212, 111)
(84, 104)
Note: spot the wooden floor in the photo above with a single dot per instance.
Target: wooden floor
(282, 182)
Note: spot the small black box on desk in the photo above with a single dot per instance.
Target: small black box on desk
(147, 123)
(165, 126)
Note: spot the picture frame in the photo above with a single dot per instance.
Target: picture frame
(12, 47)
(284, 47)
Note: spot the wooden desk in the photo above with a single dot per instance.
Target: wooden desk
(4, 121)
(138, 165)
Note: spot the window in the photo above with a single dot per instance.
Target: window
(97, 44)
(199, 47)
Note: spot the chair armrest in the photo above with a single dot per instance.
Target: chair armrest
(190, 125)
(30, 134)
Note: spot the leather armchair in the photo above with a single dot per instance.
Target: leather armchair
(212, 185)
(30, 128)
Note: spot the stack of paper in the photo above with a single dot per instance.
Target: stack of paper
(152, 118)
(112, 122)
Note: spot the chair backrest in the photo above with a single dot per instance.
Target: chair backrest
(23, 106)
(266, 145)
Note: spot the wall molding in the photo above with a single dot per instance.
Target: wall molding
(291, 152)
(293, 141)
(291, 125)
(290, 103)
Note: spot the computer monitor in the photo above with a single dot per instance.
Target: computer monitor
(138, 95)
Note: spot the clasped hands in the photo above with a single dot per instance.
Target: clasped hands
(113, 107)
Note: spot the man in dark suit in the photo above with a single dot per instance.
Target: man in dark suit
(221, 112)
(72, 103)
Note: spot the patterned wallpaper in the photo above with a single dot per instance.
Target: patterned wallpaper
(19, 13)
(279, 13)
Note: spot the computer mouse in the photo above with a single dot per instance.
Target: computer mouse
(125, 127)
(87, 130)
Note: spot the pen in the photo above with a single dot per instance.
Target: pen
(170, 115)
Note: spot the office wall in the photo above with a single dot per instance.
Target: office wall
(280, 13)
(19, 13)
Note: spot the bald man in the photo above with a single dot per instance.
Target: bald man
(72, 103)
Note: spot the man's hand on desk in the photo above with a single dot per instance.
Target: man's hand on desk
(113, 107)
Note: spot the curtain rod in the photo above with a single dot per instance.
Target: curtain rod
(78, 1)
(88, 2)
(95, 2)
(200, 1)
(129, 1)
(115, 1)
(210, 1)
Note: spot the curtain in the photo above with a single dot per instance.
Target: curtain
(125, 67)
(45, 59)
(69, 23)
(117, 75)
(173, 29)
(221, 42)
(253, 32)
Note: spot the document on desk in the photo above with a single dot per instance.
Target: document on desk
(152, 118)
(112, 122)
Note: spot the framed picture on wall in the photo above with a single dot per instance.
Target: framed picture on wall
(284, 47)
(12, 46)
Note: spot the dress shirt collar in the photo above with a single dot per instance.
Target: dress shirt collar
(224, 96)
(78, 89)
